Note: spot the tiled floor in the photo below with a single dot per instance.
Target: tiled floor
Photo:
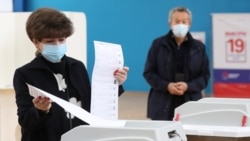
(132, 105)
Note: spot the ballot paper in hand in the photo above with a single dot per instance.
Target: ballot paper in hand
(33, 92)
(75, 110)
(104, 92)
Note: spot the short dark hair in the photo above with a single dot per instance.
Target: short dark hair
(48, 23)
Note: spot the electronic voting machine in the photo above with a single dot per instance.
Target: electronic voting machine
(212, 119)
(134, 130)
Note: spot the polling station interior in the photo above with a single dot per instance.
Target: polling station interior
(224, 112)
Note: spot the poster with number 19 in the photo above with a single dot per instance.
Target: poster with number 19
(236, 46)
(231, 55)
(231, 37)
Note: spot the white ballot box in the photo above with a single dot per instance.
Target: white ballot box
(212, 119)
(134, 130)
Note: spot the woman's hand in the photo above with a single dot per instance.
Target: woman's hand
(42, 103)
(121, 75)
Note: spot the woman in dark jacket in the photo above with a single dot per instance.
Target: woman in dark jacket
(54, 72)
(177, 68)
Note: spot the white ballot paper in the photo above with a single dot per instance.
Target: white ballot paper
(104, 92)
(75, 110)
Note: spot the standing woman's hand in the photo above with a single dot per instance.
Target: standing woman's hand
(121, 75)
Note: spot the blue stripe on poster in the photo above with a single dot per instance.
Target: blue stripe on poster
(231, 76)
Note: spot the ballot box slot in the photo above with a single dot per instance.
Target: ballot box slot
(173, 135)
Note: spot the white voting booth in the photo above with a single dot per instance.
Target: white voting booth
(210, 119)
(134, 130)
(16, 48)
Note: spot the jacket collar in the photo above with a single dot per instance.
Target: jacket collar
(169, 38)
(170, 35)
(40, 62)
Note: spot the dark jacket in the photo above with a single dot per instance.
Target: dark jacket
(37, 125)
(160, 70)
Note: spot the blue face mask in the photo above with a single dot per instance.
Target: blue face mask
(54, 53)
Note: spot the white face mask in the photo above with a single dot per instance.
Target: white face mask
(180, 30)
